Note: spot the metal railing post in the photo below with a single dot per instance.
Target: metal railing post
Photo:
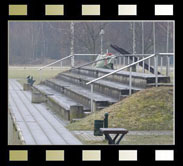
(154, 64)
(138, 58)
(130, 81)
(161, 64)
(143, 65)
(149, 67)
(128, 60)
(133, 59)
(92, 109)
(120, 60)
(156, 70)
(167, 65)
(134, 66)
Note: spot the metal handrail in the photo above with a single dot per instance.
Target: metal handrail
(118, 55)
(89, 63)
(132, 55)
(141, 55)
(73, 68)
(70, 57)
(134, 63)
(56, 62)
(85, 54)
(130, 75)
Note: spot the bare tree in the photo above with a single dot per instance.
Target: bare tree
(87, 35)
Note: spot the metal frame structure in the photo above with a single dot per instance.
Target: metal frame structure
(121, 57)
(130, 75)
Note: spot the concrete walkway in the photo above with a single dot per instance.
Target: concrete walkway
(89, 135)
(37, 124)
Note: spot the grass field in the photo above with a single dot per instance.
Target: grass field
(20, 73)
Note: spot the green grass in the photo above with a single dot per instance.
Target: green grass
(147, 140)
(20, 73)
(149, 109)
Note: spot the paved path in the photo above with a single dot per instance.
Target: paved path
(89, 136)
(37, 124)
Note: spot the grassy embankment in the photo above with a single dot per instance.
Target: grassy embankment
(149, 109)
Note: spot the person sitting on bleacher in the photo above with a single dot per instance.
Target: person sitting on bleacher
(107, 62)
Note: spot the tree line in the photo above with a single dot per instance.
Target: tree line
(40, 42)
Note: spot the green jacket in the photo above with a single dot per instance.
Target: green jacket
(107, 63)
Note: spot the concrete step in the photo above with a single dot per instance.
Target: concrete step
(140, 80)
(63, 105)
(80, 94)
(106, 87)
(160, 84)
